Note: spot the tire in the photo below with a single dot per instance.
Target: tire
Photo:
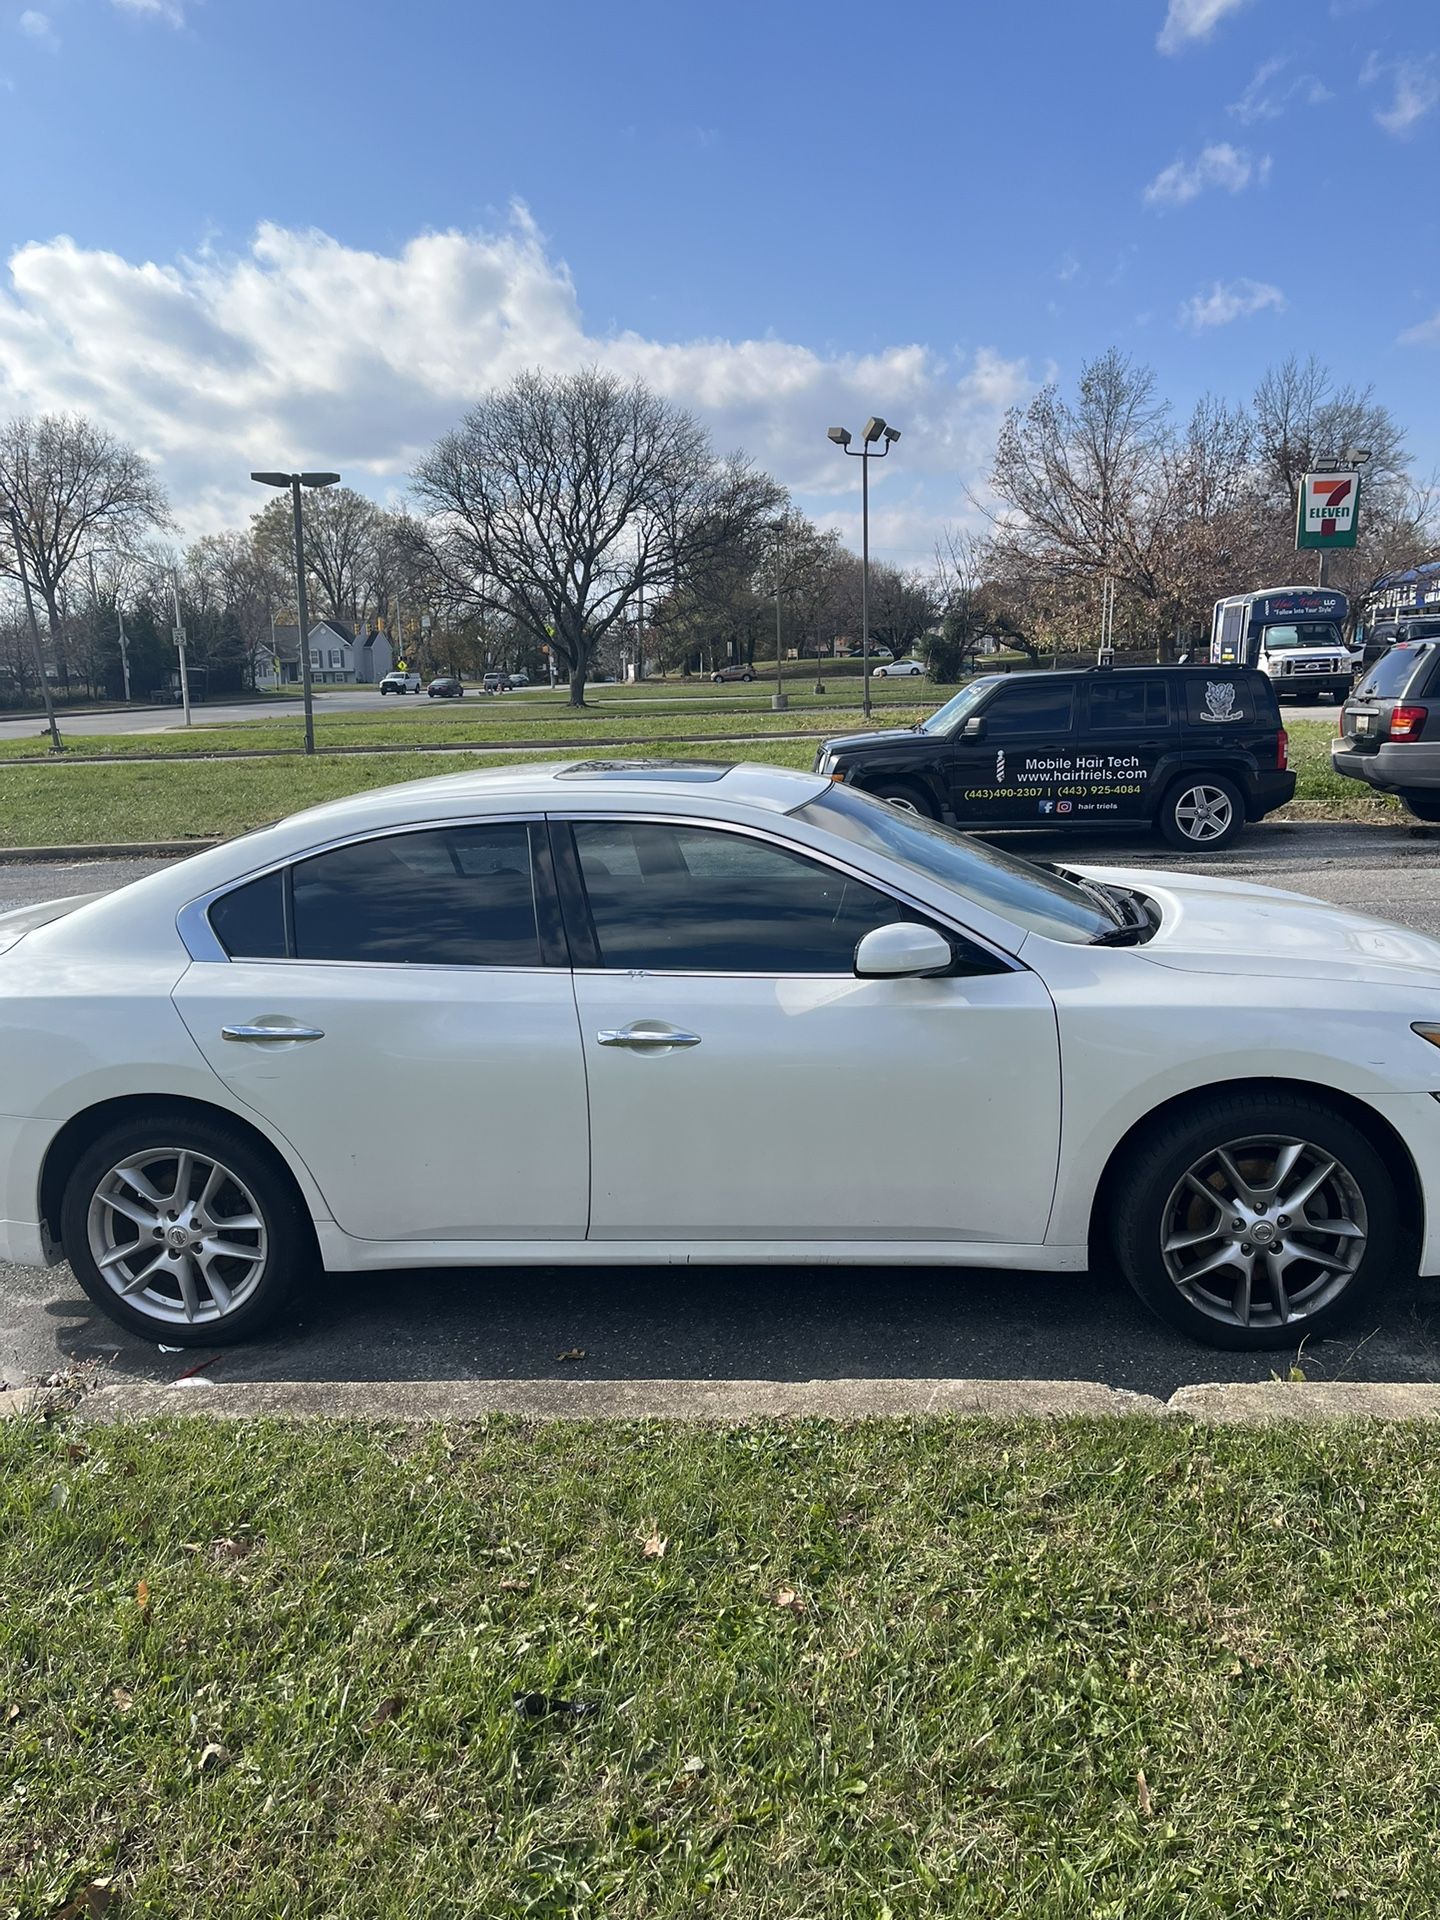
(901, 794)
(747, 678)
(1201, 813)
(1424, 806)
(1165, 1231)
(182, 1307)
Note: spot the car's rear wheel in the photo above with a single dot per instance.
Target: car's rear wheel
(901, 794)
(1424, 806)
(1255, 1221)
(183, 1231)
(1202, 813)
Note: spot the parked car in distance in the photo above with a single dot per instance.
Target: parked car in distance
(900, 670)
(1229, 1089)
(398, 682)
(737, 671)
(446, 687)
(519, 678)
(1390, 727)
(1195, 752)
(495, 682)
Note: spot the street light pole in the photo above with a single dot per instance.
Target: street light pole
(295, 481)
(180, 645)
(57, 745)
(875, 429)
(779, 702)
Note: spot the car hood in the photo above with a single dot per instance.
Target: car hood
(1210, 924)
(885, 737)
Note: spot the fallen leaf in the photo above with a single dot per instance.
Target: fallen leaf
(123, 1698)
(213, 1755)
(694, 1765)
(12, 1713)
(575, 1353)
(76, 1451)
(228, 1549)
(91, 1901)
(387, 1710)
(1142, 1793)
(788, 1598)
(653, 1548)
(142, 1598)
(514, 1586)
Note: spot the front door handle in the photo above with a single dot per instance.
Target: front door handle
(270, 1035)
(646, 1038)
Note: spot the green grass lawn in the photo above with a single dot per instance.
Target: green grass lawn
(1118, 1670)
(60, 805)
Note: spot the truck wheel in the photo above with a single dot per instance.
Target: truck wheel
(1202, 812)
(901, 794)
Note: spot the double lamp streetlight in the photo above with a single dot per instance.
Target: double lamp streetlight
(295, 481)
(870, 448)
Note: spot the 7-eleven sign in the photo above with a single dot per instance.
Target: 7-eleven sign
(1329, 512)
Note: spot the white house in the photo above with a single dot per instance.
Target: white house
(337, 657)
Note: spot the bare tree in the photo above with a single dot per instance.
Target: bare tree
(1302, 417)
(76, 488)
(342, 532)
(568, 496)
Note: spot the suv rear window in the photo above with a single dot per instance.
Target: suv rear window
(1394, 673)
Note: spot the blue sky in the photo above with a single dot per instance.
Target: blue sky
(251, 231)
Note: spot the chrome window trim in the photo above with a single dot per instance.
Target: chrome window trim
(1008, 961)
(202, 943)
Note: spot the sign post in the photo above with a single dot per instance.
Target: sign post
(1328, 513)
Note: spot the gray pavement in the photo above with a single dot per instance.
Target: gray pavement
(820, 1323)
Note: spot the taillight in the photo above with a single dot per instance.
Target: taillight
(1407, 723)
(1282, 751)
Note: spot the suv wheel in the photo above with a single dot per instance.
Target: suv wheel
(182, 1231)
(900, 794)
(1202, 813)
(1256, 1220)
(1424, 806)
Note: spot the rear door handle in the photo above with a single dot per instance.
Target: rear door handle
(270, 1035)
(646, 1038)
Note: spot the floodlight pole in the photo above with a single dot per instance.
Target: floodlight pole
(295, 481)
(779, 702)
(57, 745)
(875, 429)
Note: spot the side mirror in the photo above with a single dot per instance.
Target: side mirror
(973, 729)
(902, 949)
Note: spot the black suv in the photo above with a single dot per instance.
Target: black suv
(1390, 727)
(1194, 751)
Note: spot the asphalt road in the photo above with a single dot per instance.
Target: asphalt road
(775, 1323)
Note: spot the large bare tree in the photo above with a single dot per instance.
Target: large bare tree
(564, 498)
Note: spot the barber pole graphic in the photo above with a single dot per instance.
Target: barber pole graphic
(1329, 510)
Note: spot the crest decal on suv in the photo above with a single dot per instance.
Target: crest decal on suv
(1220, 701)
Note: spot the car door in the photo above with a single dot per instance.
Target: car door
(400, 1008)
(745, 1085)
(1129, 747)
(1020, 766)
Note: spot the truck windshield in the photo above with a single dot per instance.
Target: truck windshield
(960, 705)
(1308, 633)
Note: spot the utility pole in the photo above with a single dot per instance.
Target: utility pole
(778, 700)
(57, 745)
(180, 645)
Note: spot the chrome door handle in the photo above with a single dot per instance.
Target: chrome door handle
(272, 1034)
(644, 1037)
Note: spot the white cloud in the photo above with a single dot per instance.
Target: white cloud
(1227, 301)
(1427, 334)
(1415, 81)
(171, 11)
(1229, 168)
(1268, 95)
(1191, 20)
(36, 26)
(301, 349)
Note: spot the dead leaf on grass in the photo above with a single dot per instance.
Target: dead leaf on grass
(77, 1451)
(12, 1713)
(653, 1546)
(514, 1586)
(213, 1756)
(387, 1710)
(91, 1901)
(694, 1765)
(142, 1598)
(123, 1698)
(230, 1549)
(789, 1599)
(1142, 1794)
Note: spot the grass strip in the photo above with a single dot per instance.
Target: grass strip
(1065, 1670)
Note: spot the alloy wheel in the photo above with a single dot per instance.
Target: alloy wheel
(1264, 1232)
(1204, 813)
(178, 1235)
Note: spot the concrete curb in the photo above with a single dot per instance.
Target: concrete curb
(736, 1401)
(118, 850)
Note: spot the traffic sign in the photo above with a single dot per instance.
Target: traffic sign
(1329, 510)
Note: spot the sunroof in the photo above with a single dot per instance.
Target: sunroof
(686, 771)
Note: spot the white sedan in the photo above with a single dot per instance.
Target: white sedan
(899, 670)
(617, 1012)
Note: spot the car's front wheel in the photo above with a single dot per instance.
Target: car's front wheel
(183, 1231)
(1256, 1221)
(901, 794)
(1202, 813)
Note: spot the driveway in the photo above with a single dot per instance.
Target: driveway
(773, 1323)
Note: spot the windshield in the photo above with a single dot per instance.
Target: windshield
(1031, 897)
(945, 719)
(1309, 633)
(1392, 673)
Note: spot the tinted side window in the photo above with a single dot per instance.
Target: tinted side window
(1394, 673)
(1030, 708)
(250, 922)
(455, 896)
(693, 900)
(1128, 703)
(1220, 698)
